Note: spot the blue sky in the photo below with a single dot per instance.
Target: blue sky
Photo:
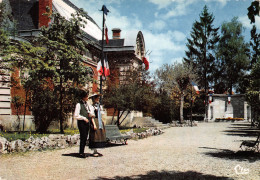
(166, 24)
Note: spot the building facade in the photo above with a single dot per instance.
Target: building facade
(29, 18)
(222, 106)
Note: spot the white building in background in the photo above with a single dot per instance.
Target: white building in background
(226, 106)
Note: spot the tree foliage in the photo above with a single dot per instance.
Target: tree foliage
(201, 46)
(53, 70)
(233, 54)
(133, 93)
(253, 87)
(175, 80)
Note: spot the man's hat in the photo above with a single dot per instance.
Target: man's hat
(84, 92)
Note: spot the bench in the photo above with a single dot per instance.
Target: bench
(113, 134)
(251, 145)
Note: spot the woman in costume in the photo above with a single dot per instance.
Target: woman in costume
(97, 135)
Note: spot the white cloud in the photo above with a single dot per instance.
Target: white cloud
(157, 25)
(179, 7)
(257, 22)
(222, 2)
(163, 48)
(176, 7)
(246, 22)
(178, 36)
(161, 42)
(178, 10)
(161, 3)
(178, 60)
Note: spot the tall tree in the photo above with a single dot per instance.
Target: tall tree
(233, 54)
(253, 11)
(253, 88)
(64, 50)
(201, 50)
(201, 46)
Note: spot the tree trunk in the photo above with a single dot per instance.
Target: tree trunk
(181, 107)
(124, 117)
(61, 107)
(25, 103)
(113, 115)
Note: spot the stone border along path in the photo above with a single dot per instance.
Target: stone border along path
(201, 152)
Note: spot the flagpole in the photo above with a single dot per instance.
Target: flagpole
(102, 54)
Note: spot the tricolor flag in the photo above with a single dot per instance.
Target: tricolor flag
(146, 62)
(195, 87)
(210, 98)
(229, 99)
(105, 10)
(106, 71)
(106, 67)
(99, 68)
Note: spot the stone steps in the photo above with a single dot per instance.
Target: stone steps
(148, 122)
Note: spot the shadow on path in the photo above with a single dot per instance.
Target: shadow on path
(243, 129)
(110, 144)
(170, 175)
(76, 155)
(233, 155)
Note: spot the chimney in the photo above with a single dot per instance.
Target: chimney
(44, 19)
(116, 33)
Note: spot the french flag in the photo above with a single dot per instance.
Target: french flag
(146, 62)
(99, 68)
(106, 71)
(106, 68)
(195, 87)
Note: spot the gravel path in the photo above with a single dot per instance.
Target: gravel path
(202, 152)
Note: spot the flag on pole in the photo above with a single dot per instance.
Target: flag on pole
(229, 99)
(210, 98)
(106, 68)
(195, 87)
(146, 62)
(99, 68)
(106, 71)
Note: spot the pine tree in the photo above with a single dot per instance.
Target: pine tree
(201, 45)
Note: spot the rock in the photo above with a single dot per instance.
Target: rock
(75, 139)
(3, 145)
(16, 146)
(11, 147)
(19, 146)
(30, 139)
(52, 137)
(61, 143)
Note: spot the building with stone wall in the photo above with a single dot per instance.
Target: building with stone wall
(222, 106)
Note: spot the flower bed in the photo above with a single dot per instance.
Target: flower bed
(229, 119)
